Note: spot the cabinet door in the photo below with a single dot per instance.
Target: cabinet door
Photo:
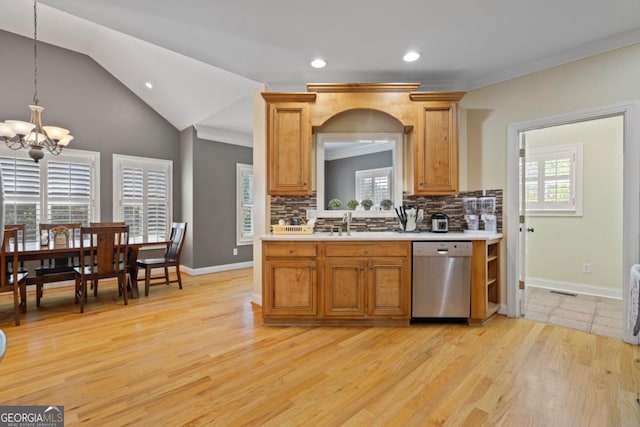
(289, 288)
(345, 288)
(289, 149)
(389, 287)
(436, 148)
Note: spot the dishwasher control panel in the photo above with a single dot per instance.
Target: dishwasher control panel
(442, 248)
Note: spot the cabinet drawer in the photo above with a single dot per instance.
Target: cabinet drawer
(289, 249)
(367, 249)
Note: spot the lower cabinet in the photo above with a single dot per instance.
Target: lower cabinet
(290, 280)
(361, 287)
(354, 282)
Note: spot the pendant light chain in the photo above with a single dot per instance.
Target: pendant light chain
(35, 53)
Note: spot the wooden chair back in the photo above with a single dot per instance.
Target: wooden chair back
(176, 236)
(104, 250)
(21, 232)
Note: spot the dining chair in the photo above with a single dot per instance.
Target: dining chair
(103, 254)
(171, 259)
(11, 279)
(61, 268)
(21, 228)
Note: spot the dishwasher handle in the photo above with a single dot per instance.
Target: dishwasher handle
(443, 251)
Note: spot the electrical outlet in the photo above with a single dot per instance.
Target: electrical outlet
(586, 268)
(235, 251)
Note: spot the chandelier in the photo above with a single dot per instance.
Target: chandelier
(32, 135)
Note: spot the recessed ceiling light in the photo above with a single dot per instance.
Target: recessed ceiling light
(148, 85)
(411, 56)
(318, 63)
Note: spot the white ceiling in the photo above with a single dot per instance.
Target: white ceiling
(206, 57)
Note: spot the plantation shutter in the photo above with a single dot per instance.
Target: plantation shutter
(247, 205)
(68, 192)
(21, 184)
(373, 184)
(145, 199)
(551, 179)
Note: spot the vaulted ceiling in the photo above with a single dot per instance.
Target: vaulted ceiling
(206, 57)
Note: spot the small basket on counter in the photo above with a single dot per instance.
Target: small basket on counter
(291, 229)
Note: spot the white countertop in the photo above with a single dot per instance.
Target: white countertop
(385, 235)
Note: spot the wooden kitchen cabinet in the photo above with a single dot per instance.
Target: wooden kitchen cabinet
(362, 282)
(290, 288)
(345, 288)
(370, 280)
(435, 147)
(485, 280)
(289, 140)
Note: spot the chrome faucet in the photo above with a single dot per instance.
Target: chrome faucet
(346, 218)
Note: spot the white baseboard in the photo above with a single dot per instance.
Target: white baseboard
(503, 309)
(256, 299)
(215, 268)
(574, 288)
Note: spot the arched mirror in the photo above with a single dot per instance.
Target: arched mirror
(358, 166)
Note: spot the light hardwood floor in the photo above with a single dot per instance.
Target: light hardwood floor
(202, 357)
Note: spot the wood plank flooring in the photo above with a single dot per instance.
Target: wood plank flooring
(201, 356)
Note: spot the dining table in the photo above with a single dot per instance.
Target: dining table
(36, 252)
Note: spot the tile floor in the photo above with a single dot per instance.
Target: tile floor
(596, 315)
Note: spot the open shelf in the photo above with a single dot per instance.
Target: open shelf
(485, 283)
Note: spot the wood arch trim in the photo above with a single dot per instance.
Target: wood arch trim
(396, 104)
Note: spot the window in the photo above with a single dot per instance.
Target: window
(58, 189)
(374, 184)
(143, 196)
(553, 180)
(244, 204)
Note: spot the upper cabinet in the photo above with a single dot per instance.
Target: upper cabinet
(289, 143)
(435, 147)
(429, 120)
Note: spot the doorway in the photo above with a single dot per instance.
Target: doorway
(571, 179)
(516, 268)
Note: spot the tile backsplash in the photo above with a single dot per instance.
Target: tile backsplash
(291, 207)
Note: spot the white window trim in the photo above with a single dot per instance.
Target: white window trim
(576, 179)
(68, 154)
(120, 160)
(242, 240)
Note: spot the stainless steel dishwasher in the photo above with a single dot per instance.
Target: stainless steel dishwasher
(441, 280)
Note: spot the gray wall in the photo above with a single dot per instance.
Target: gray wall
(340, 175)
(78, 94)
(214, 202)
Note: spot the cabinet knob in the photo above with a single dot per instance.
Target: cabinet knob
(361, 268)
(290, 251)
(371, 267)
(422, 184)
(366, 250)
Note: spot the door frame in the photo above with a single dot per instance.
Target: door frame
(631, 195)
